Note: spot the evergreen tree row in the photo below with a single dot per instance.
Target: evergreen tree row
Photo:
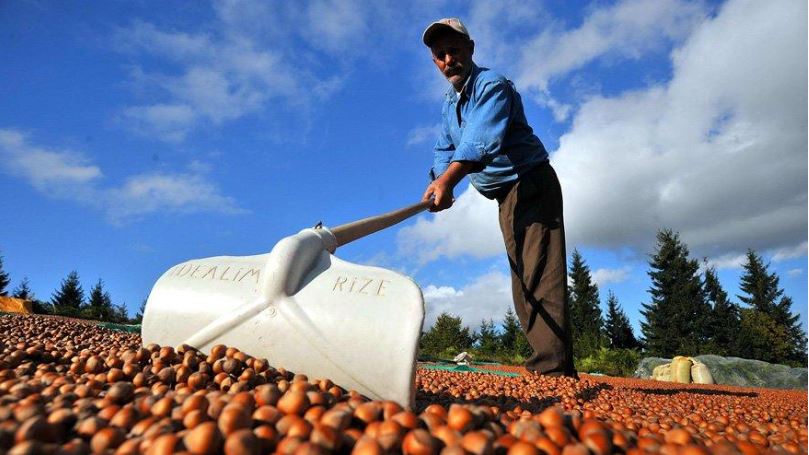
(69, 300)
(690, 314)
(448, 337)
(590, 330)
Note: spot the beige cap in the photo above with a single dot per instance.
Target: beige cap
(451, 23)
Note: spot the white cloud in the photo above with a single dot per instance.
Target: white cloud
(796, 251)
(335, 25)
(223, 82)
(561, 111)
(604, 276)
(690, 154)
(500, 27)
(169, 122)
(161, 192)
(252, 56)
(423, 134)
(627, 29)
(432, 292)
(737, 261)
(178, 46)
(727, 261)
(218, 77)
(67, 175)
(486, 297)
(47, 170)
(469, 227)
(795, 272)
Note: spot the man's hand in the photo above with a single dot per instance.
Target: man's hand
(441, 194)
(441, 188)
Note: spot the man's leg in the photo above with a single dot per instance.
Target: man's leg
(533, 231)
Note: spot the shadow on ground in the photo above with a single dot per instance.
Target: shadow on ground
(534, 405)
(695, 392)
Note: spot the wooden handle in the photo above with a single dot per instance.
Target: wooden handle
(349, 232)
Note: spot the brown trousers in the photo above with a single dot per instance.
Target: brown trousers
(534, 234)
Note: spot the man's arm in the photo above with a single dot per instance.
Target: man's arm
(486, 125)
(442, 151)
(481, 142)
(442, 174)
(441, 188)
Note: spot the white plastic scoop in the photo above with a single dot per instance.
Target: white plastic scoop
(301, 308)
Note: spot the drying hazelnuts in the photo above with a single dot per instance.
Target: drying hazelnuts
(70, 387)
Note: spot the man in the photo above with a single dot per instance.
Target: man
(485, 136)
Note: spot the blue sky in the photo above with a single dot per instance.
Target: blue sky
(137, 135)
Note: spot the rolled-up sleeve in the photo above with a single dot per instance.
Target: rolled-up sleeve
(486, 125)
(442, 152)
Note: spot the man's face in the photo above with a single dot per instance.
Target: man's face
(452, 54)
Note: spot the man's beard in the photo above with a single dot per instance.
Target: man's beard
(456, 75)
(456, 70)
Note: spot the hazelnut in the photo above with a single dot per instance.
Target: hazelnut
(367, 445)
(106, 439)
(477, 442)
(205, 438)
(242, 442)
(420, 442)
(460, 418)
(293, 403)
(234, 417)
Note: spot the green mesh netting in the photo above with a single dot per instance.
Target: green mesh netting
(464, 369)
(128, 328)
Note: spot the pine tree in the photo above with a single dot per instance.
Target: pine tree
(4, 279)
(724, 321)
(611, 324)
(487, 340)
(676, 319)
(99, 306)
(69, 299)
(628, 338)
(447, 334)
(617, 327)
(585, 313)
(23, 290)
(40, 307)
(511, 328)
(769, 330)
(120, 314)
(522, 347)
(513, 341)
(795, 336)
(761, 338)
(139, 315)
(760, 288)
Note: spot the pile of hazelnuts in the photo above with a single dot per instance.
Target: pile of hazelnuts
(68, 387)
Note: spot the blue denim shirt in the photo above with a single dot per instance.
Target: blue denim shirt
(487, 126)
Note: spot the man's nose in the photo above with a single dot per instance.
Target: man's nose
(449, 59)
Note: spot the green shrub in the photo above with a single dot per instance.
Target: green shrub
(502, 358)
(612, 362)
